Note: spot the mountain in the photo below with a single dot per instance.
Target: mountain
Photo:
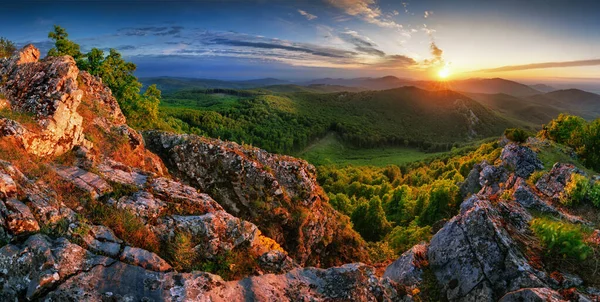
(574, 101)
(543, 88)
(492, 86)
(521, 111)
(91, 209)
(387, 82)
(170, 84)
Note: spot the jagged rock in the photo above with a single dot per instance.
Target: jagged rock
(84, 180)
(102, 97)
(471, 183)
(408, 269)
(18, 218)
(524, 195)
(475, 259)
(275, 262)
(491, 176)
(31, 269)
(279, 194)
(553, 183)
(520, 159)
(185, 199)
(142, 204)
(8, 188)
(12, 128)
(145, 259)
(48, 90)
(110, 249)
(113, 172)
(352, 282)
(533, 295)
(103, 233)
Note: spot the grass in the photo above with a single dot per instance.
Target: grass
(331, 151)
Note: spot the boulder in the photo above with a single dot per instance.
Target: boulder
(84, 180)
(49, 91)
(279, 194)
(408, 269)
(533, 295)
(18, 218)
(143, 205)
(553, 183)
(145, 259)
(520, 159)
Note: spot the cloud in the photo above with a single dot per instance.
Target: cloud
(436, 52)
(592, 62)
(151, 30)
(366, 10)
(361, 43)
(427, 13)
(284, 45)
(307, 15)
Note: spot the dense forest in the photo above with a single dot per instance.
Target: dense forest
(287, 122)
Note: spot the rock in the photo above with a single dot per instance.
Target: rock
(145, 259)
(113, 172)
(279, 194)
(48, 90)
(352, 282)
(33, 268)
(105, 234)
(553, 183)
(8, 188)
(491, 176)
(471, 183)
(18, 218)
(142, 204)
(101, 96)
(110, 249)
(275, 262)
(184, 198)
(533, 295)
(84, 180)
(475, 259)
(408, 269)
(520, 159)
(524, 195)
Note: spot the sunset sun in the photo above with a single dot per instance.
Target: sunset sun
(444, 72)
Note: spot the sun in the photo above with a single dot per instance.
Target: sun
(444, 72)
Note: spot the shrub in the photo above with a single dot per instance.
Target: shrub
(576, 190)
(380, 251)
(560, 238)
(516, 135)
(7, 48)
(535, 176)
(402, 238)
(181, 252)
(594, 194)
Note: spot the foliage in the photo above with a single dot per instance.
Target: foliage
(575, 132)
(118, 74)
(535, 176)
(369, 220)
(561, 238)
(181, 252)
(290, 122)
(516, 135)
(402, 238)
(380, 251)
(594, 194)
(7, 48)
(576, 190)
(413, 196)
(62, 45)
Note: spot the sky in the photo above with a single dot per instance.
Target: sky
(533, 41)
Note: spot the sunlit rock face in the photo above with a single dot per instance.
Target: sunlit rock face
(278, 193)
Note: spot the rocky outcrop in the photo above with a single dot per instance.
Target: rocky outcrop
(46, 90)
(121, 282)
(279, 194)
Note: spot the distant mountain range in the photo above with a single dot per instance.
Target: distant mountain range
(529, 105)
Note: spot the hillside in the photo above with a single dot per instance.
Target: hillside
(574, 101)
(288, 122)
(169, 84)
(87, 211)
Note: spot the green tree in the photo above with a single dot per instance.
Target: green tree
(369, 220)
(62, 45)
(7, 48)
(443, 198)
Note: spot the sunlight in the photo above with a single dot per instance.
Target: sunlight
(444, 72)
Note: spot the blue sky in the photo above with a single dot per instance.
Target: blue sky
(536, 39)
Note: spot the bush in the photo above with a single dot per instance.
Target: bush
(560, 238)
(181, 251)
(576, 190)
(7, 48)
(380, 252)
(594, 194)
(516, 135)
(403, 238)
